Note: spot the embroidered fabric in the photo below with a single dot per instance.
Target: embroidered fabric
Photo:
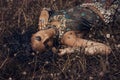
(82, 17)
(76, 18)
(107, 14)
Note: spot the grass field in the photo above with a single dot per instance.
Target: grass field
(19, 20)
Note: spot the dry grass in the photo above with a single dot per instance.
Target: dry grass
(19, 20)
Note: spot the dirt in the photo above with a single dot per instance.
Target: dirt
(19, 20)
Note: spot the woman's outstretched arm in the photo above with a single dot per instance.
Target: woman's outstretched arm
(90, 47)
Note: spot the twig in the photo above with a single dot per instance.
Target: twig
(3, 63)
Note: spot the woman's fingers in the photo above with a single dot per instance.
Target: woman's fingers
(64, 51)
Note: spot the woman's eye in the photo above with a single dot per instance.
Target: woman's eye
(38, 38)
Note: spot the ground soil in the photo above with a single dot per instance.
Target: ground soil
(19, 20)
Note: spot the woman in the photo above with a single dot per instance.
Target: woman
(68, 26)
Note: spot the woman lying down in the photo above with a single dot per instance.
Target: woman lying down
(68, 27)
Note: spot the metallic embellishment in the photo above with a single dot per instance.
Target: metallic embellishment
(106, 13)
(62, 19)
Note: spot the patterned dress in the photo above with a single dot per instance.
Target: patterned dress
(83, 17)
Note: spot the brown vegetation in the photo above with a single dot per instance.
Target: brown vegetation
(19, 20)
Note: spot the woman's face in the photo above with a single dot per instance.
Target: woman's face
(40, 41)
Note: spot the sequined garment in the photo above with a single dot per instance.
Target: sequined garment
(75, 19)
(83, 17)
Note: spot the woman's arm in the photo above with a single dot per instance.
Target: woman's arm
(90, 47)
